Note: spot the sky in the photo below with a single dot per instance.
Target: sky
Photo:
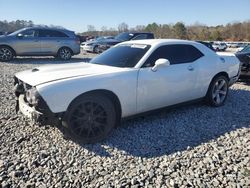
(76, 15)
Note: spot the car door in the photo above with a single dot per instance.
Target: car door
(27, 43)
(171, 84)
(51, 40)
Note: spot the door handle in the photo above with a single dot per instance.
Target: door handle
(190, 68)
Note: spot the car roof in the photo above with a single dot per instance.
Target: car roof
(137, 32)
(48, 28)
(154, 42)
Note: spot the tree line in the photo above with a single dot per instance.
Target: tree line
(9, 27)
(238, 31)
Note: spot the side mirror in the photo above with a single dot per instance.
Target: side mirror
(19, 35)
(160, 63)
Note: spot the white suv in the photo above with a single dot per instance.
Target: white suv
(219, 46)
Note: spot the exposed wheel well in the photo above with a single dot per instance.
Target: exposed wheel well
(215, 76)
(221, 74)
(113, 97)
(14, 52)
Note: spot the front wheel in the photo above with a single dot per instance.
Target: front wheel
(91, 118)
(64, 53)
(6, 54)
(218, 91)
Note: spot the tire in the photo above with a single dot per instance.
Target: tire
(95, 50)
(6, 53)
(90, 118)
(218, 91)
(64, 53)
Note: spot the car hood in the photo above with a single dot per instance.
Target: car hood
(242, 53)
(109, 41)
(88, 42)
(49, 73)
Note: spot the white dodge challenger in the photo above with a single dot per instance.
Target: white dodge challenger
(90, 99)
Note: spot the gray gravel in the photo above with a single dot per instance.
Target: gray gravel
(190, 146)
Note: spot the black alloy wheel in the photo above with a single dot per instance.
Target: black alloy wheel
(91, 118)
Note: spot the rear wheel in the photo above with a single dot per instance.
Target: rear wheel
(64, 53)
(91, 118)
(218, 91)
(6, 54)
(96, 49)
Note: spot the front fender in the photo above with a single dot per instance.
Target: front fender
(59, 94)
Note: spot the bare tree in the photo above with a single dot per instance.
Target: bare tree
(90, 28)
(123, 27)
(140, 28)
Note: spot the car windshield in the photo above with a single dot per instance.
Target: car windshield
(99, 38)
(124, 36)
(246, 49)
(16, 32)
(126, 55)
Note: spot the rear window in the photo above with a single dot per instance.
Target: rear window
(51, 33)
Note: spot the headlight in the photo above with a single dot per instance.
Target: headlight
(32, 96)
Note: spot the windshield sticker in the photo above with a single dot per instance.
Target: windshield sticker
(142, 46)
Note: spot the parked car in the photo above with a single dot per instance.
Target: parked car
(219, 46)
(126, 36)
(244, 57)
(39, 41)
(130, 78)
(235, 45)
(241, 46)
(92, 46)
(82, 38)
(207, 44)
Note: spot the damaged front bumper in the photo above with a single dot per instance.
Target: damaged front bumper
(32, 105)
(28, 111)
(42, 118)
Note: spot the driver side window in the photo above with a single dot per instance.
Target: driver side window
(29, 33)
(160, 52)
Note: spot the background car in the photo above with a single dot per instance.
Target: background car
(207, 44)
(92, 46)
(125, 36)
(244, 57)
(133, 77)
(39, 41)
(219, 46)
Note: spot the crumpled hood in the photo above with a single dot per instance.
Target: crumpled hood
(49, 73)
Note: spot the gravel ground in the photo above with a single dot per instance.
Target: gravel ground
(192, 146)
